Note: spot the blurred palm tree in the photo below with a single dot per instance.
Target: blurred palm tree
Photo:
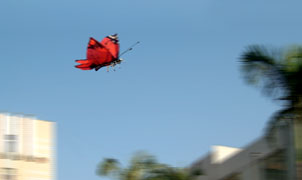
(279, 74)
(141, 167)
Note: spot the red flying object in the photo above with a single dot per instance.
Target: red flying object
(100, 54)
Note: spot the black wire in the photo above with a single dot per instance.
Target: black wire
(129, 49)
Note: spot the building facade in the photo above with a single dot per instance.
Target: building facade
(267, 158)
(27, 148)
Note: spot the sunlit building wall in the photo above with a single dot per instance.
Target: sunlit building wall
(27, 148)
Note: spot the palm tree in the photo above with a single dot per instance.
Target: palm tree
(141, 167)
(279, 73)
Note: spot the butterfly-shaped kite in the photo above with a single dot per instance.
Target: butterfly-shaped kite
(100, 54)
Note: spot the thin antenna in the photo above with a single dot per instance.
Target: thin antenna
(129, 49)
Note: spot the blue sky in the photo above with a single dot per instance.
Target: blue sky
(179, 91)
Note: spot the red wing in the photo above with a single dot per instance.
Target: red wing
(98, 54)
(112, 46)
(84, 64)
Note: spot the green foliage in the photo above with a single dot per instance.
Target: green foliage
(142, 166)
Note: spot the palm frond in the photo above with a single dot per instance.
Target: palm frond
(261, 67)
(107, 167)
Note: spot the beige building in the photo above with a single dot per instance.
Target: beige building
(27, 148)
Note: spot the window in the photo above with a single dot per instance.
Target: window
(10, 143)
(8, 174)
